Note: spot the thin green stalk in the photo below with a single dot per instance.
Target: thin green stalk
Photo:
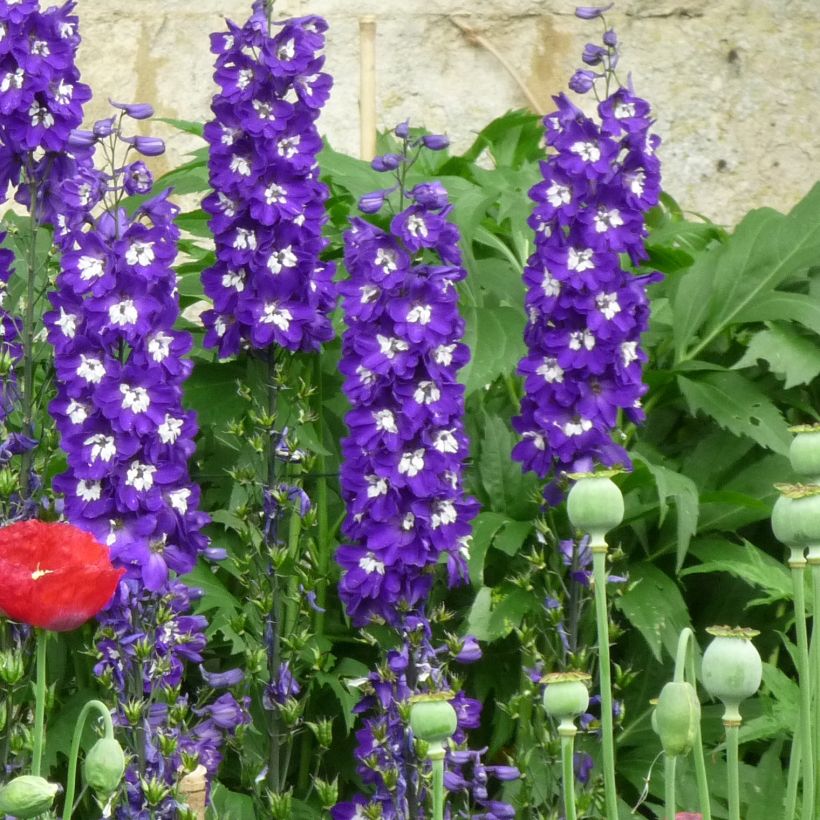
(733, 770)
(804, 680)
(323, 533)
(39, 703)
(697, 748)
(670, 764)
(438, 787)
(71, 783)
(794, 774)
(605, 681)
(815, 669)
(568, 773)
(292, 609)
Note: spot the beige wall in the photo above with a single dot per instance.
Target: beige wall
(735, 84)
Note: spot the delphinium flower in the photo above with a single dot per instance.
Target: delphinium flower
(586, 313)
(402, 473)
(268, 284)
(385, 750)
(401, 479)
(120, 369)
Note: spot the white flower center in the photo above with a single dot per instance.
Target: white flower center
(588, 151)
(123, 313)
(385, 421)
(426, 392)
(274, 315)
(550, 370)
(370, 564)
(91, 369)
(135, 399)
(140, 476)
(170, 429)
(420, 314)
(283, 258)
(608, 304)
(103, 448)
(90, 268)
(411, 464)
(140, 253)
(580, 259)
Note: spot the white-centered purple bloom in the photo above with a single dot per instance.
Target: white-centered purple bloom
(268, 285)
(402, 472)
(586, 314)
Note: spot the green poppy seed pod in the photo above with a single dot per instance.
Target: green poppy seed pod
(677, 717)
(432, 718)
(595, 505)
(804, 452)
(566, 696)
(732, 669)
(104, 767)
(27, 796)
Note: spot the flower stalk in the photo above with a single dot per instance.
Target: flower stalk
(39, 702)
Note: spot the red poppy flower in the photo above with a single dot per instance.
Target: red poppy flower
(53, 576)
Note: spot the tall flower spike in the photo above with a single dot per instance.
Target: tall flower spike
(586, 314)
(267, 207)
(402, 473)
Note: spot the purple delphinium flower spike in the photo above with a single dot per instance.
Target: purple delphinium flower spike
(403, 458)
(268, 285)
(120, 368)
(586, 314)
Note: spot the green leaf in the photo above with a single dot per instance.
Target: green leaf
(485, 526)
(188, 126)
(737, 405)
(766, 249)
(746, 562)
(683, 491)
(228, 805)
(793, 357)
(654, 606)
(496, 340)
(796, 307)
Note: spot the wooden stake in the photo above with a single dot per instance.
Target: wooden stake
(192, 789)
(367, 86)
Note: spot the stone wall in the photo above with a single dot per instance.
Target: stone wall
(735, 84)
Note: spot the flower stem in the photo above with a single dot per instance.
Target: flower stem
(604, 678)
(323, 533)
(669, 786)
(733, 769)
(438, 785)
(568, 773)
(68, 806)
(28, 349)
(815, 667)
(794, 774)
(804, 680)
(697, 747)
(39, 703)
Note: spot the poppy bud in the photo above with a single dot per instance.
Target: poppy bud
(432, 717)
(677, 717)
(732, 669)
(595, 505)
(27, 796)
(104, 767)
(566, 697)
(804, 452)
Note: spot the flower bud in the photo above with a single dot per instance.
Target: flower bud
(593, 54)
(147, 146)
(610, 38)
(155, 791)
(566, 697)
(582, 81)
(591, 12)
(27, 796)
(328, 792)
(78, 138)
(804, 452)
(137, 111)
(402, 130)
(595, 505)
(386, 162)
(104, 767)
(677, 717)
(731, 668)
(435, 142)
(281, 805)
(11, 662)
(430, 194)
(323, 730)
(432, 717)
(371, 203)
(103, 128)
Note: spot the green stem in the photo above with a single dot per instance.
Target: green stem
(733, 770)
(568, 773)
(794, 774)
(40, 703)
(605, 682)
(323, 534)
(71, 783)
(804, 681)
(697, 748)
(438, 786)
(669, 786)
(815, 671)
(292, 608)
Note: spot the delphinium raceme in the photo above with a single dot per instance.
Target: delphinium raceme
(401, 478)
(120, 370)
(41, 101)
(272, 295)
(586, 313)
(583, 368)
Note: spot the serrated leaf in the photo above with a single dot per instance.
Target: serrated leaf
(683, 491)
(737, 405)
(653, 605)
(188, 126)
(485, 526)
(496, 340)
(747, 562)
(792, 357)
